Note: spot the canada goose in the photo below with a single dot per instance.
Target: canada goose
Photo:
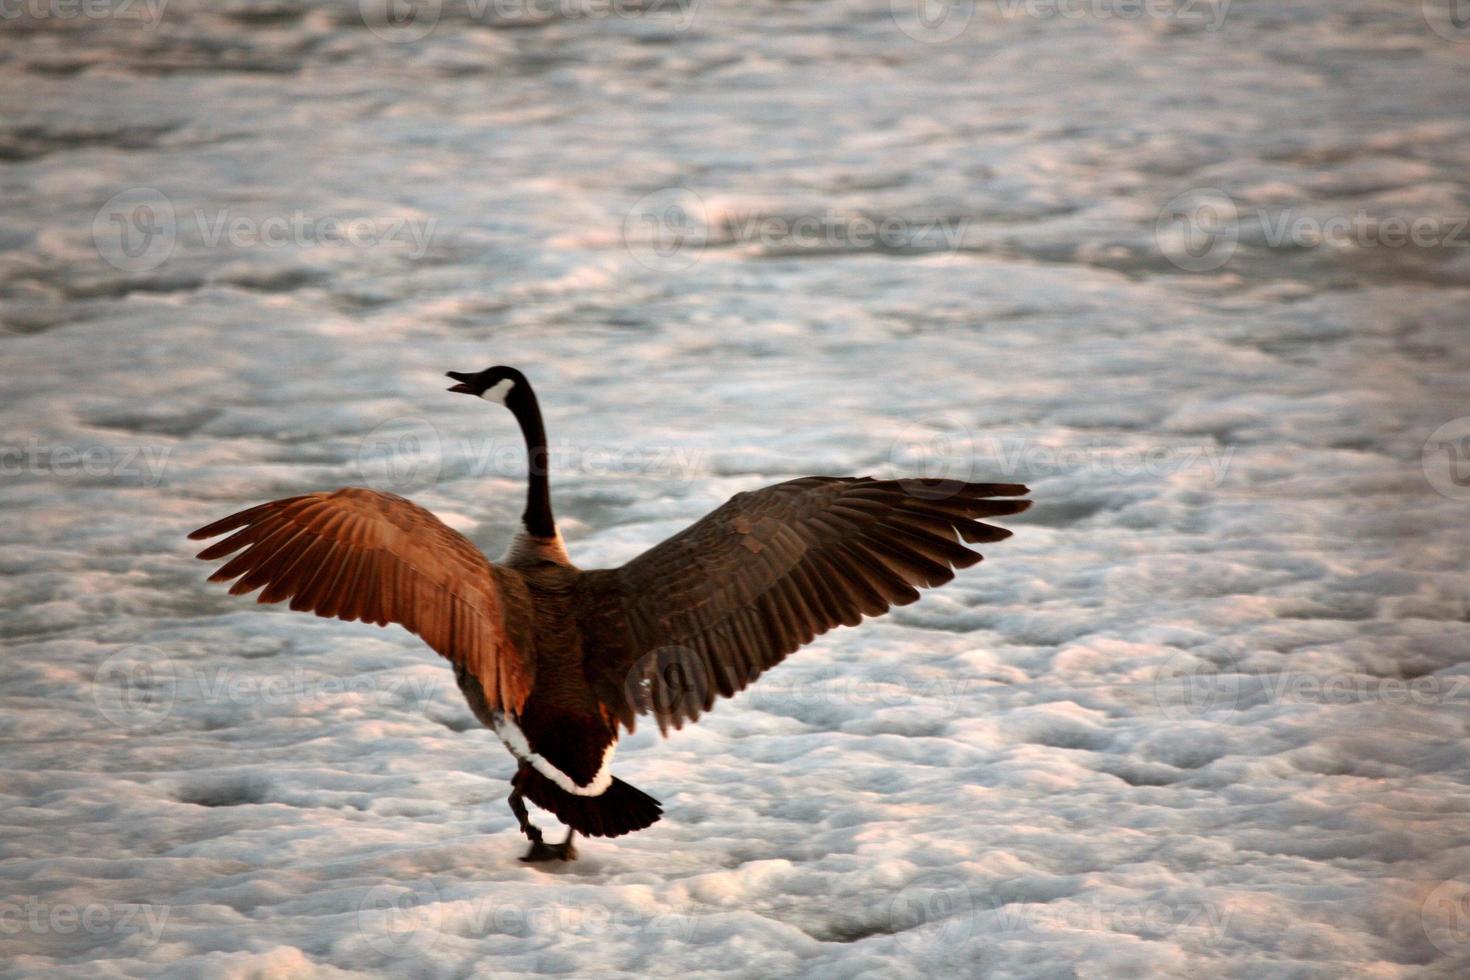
(554, 658)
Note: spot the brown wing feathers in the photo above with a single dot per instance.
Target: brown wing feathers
(361, 555)
(705, 612)
(712, 607)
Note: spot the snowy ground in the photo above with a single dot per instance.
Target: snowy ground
(1204, 715)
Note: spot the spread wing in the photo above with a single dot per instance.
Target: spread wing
(711, 608)
(359, 554)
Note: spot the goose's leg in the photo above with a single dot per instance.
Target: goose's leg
(541, 851)
(518, 807)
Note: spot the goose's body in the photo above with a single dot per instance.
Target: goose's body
(556, 659)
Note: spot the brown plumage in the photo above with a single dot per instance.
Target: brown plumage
(554, 658)
(360, 554)
(710, 609)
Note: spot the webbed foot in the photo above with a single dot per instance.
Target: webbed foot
(542, 851)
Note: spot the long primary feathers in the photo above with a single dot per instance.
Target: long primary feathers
(358, 554)
(717, 604)
(699, 616)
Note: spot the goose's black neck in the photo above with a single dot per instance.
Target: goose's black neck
(537, 517)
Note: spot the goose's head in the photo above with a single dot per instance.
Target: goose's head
(499, 384)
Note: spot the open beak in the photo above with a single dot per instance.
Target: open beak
(463, 387)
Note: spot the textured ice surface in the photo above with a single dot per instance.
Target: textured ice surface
(1204, 715)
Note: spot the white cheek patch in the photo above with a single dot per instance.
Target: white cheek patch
(498, 391)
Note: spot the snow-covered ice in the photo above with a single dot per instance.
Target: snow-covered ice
(1204, 715)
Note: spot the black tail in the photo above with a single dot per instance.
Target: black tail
(620, 810)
